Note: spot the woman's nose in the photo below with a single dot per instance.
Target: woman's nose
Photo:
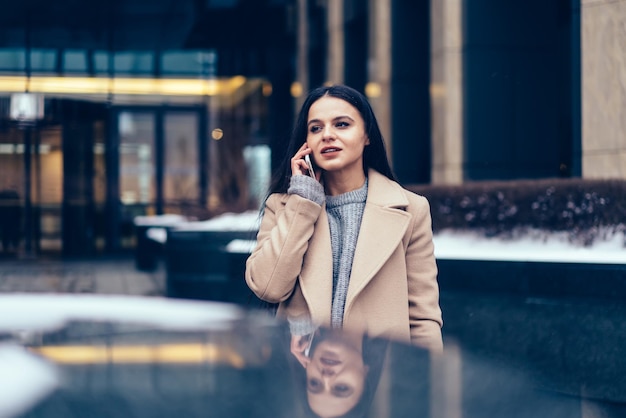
(328, 133)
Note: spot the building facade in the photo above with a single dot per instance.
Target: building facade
(515, 89)
(131, 108)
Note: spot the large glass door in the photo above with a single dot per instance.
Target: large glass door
(30, 203)
(181, 185)
(159, 164)
(137, 173)
(12, 191)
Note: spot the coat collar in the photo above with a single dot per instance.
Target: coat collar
(383, 226)
(385, 192)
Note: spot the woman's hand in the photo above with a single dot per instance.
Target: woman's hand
(299, 165)
(299, 344)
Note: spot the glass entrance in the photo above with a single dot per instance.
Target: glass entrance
(159, 167)
(181, 186)
(137, 172)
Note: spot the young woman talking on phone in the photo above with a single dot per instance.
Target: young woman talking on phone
(349, 248)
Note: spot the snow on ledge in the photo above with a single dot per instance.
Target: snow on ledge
(458, 245)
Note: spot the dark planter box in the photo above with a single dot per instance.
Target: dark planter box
(535, 279)
(147, 251)
(200, 267)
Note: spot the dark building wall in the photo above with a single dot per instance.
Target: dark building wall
(520, 94)
(410, 99)
(317, 44)
(356, 43)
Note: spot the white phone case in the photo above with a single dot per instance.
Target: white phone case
(309, 165)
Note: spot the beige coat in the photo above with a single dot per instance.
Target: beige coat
(393, 290)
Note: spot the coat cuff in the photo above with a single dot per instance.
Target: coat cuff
(301, 326)
(307, 187)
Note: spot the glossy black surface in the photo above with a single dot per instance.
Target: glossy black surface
(149, 357)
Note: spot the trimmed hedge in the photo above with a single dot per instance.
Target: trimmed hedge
(585, 209)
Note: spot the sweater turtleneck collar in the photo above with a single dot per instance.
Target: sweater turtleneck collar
(355, 196)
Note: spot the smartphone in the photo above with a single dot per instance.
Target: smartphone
(309, 165)
(307, 350)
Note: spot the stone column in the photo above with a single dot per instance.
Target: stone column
(302, 54)
(446, 91)
(336, 42)
(378, 88)
(603, 55)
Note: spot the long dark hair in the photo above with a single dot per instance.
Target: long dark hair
(374, 155)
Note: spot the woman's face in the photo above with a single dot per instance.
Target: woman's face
(335, 378)
(336, 135)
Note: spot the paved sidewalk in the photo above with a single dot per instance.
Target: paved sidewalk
(115, 276)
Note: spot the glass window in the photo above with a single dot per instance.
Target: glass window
(187, 62)
(181, 183)
(75, 61)
(12, 59)
(134, 63)
(43, 60)
(137, 158)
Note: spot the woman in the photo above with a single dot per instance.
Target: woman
(349, 248)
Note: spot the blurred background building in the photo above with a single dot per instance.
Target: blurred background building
(123, 108)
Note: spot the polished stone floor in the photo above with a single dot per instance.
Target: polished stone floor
(506, 355)
(113, 275)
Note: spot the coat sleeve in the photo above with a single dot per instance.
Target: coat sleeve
(425, 316)
(287, 225)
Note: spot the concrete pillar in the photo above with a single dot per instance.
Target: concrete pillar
(302, 55)
(336, 44)
(603, 55)
(378, 88)
(446, 91)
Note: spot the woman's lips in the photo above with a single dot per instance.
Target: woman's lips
(330, 150)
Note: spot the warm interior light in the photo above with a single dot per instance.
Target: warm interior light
(130, 86)
(217, 134)
(296, 89)
(437, 90)
(373, 90)
(162, 353)
(13, 148)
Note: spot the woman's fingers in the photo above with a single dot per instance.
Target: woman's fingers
(298, 346)
(298, 165)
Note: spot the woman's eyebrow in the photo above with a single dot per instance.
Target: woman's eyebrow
(336, 118)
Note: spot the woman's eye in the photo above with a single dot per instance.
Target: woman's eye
(314, 385)
(342, 390)
(314, 129)
(342, 124)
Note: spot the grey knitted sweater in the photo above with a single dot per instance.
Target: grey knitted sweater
(344, 218)
(344, 212)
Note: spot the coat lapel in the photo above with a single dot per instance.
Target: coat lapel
(384, 224)
(382, 228)
(316, 277)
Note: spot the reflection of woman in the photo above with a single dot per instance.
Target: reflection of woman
(341, 372)
(349, 248)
